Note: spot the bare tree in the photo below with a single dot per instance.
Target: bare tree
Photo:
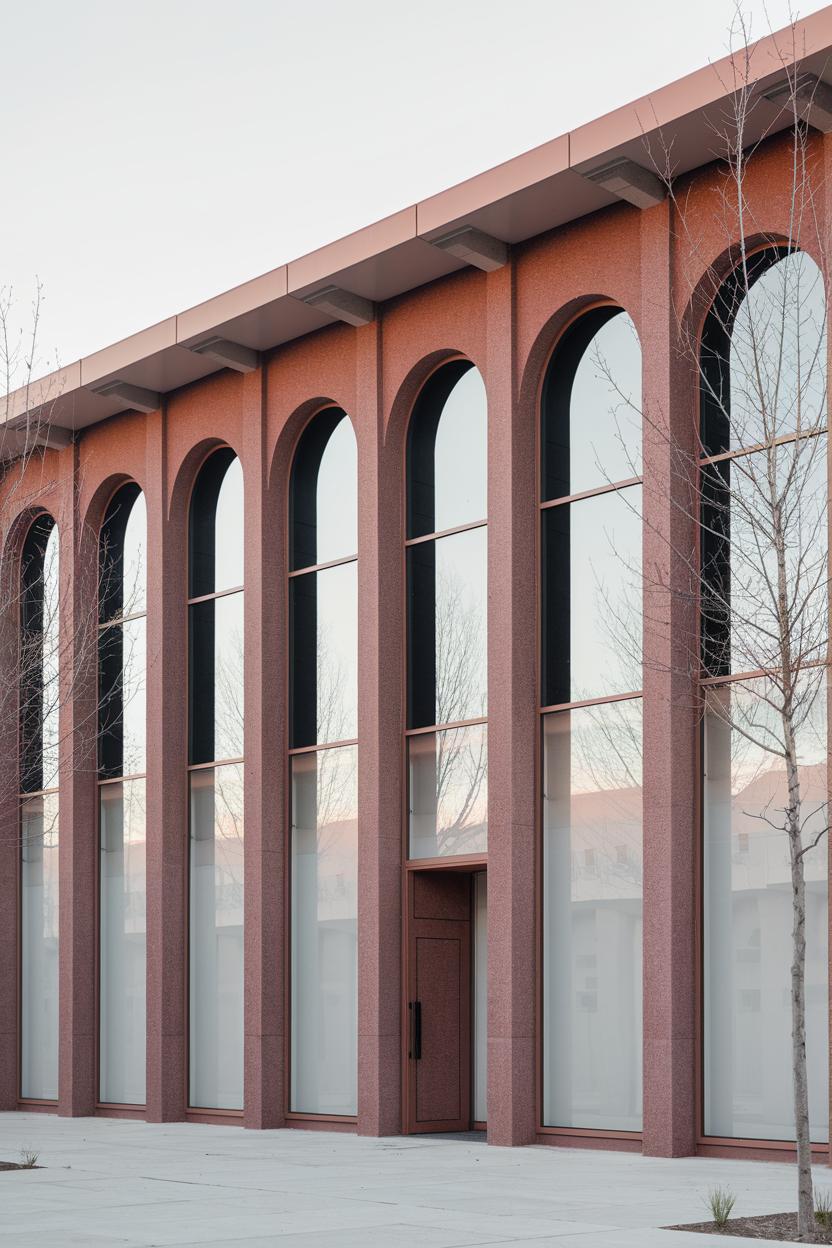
(751, 482)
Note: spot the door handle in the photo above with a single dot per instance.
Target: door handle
(415, 1008)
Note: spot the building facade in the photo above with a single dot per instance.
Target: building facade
(363, 780)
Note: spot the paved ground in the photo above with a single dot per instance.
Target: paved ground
(106, 1182)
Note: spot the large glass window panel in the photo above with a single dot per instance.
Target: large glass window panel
(324, 917)
(740, 607)
(216, 938)
(122, 556)
(592, 917)
(122, 704)
(592, 597)
(216, 526)
(447, 629)
(216, 701)
(39, 948)
(324, 646)
(448, 792)
(447, 452)
(324, 508)
(748, 915)
(592, 406)
(123, 943)
(39, 658)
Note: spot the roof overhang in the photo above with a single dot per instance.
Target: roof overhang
(615, 157)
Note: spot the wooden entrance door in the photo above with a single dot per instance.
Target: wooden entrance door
(439, 1002)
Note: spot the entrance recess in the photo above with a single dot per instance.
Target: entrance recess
(445, 1036)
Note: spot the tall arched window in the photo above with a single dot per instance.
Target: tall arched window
(323, 762)
(764, 455)
(447, 597)
(591, 726)
(122, 647)
(215, 611)
(39, 744)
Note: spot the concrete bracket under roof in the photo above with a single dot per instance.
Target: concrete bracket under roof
(31, 431)
(230, 354)
(343, 305)
(475, 247)
(137, 397)
(629, 181)
(808, 96)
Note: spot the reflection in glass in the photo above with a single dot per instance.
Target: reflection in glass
(39, 948)
(764, 353)
(122, 706)
(592, 406)
(216, 938)
(447, 629)
(592, 917)
(324, 918)
(122, 586)
(448, 792)
(323, 507)
(123, 943)
(323, 610)
(216, 677)
(216, 526)
(592, 597)
(39, 657)
(748, 916)
(447, 442)
(740, 612)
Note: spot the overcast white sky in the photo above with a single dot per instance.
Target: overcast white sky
(156, 152)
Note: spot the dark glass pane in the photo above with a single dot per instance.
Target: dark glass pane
(121, 692)
(121, 560)
(324, 647)
(740, 604)
(39, 657)
(323, 501)
(216, 526)
(592, 590)
(592, 917)
(591, 408)
(448, 792)
(763, 356)
(216, 679)
(747, 910)
(447, 629)
(447, 452)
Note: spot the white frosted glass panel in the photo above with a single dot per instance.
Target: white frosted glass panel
(336, 506)
(123, 960)
(216, 938)
(605, 409)
(448, 792)
(228, 530)
(324, 918)
(748, 919)
(461, 636)
(460, 471)
(480, 1073)
(778, 354)
(592, 918)
(134, 563)
(39, 948)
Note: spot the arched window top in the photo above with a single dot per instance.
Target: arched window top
(39, 656)
(216, 526)
(39, 575)
(122, 555)
(447, 452)
(763, 354)
(591, 406)
(323, 506)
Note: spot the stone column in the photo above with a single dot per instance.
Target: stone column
(167, 806)
(380, 727)
(266, 832)
(512, 711)
(670, 781)
(77, 843)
